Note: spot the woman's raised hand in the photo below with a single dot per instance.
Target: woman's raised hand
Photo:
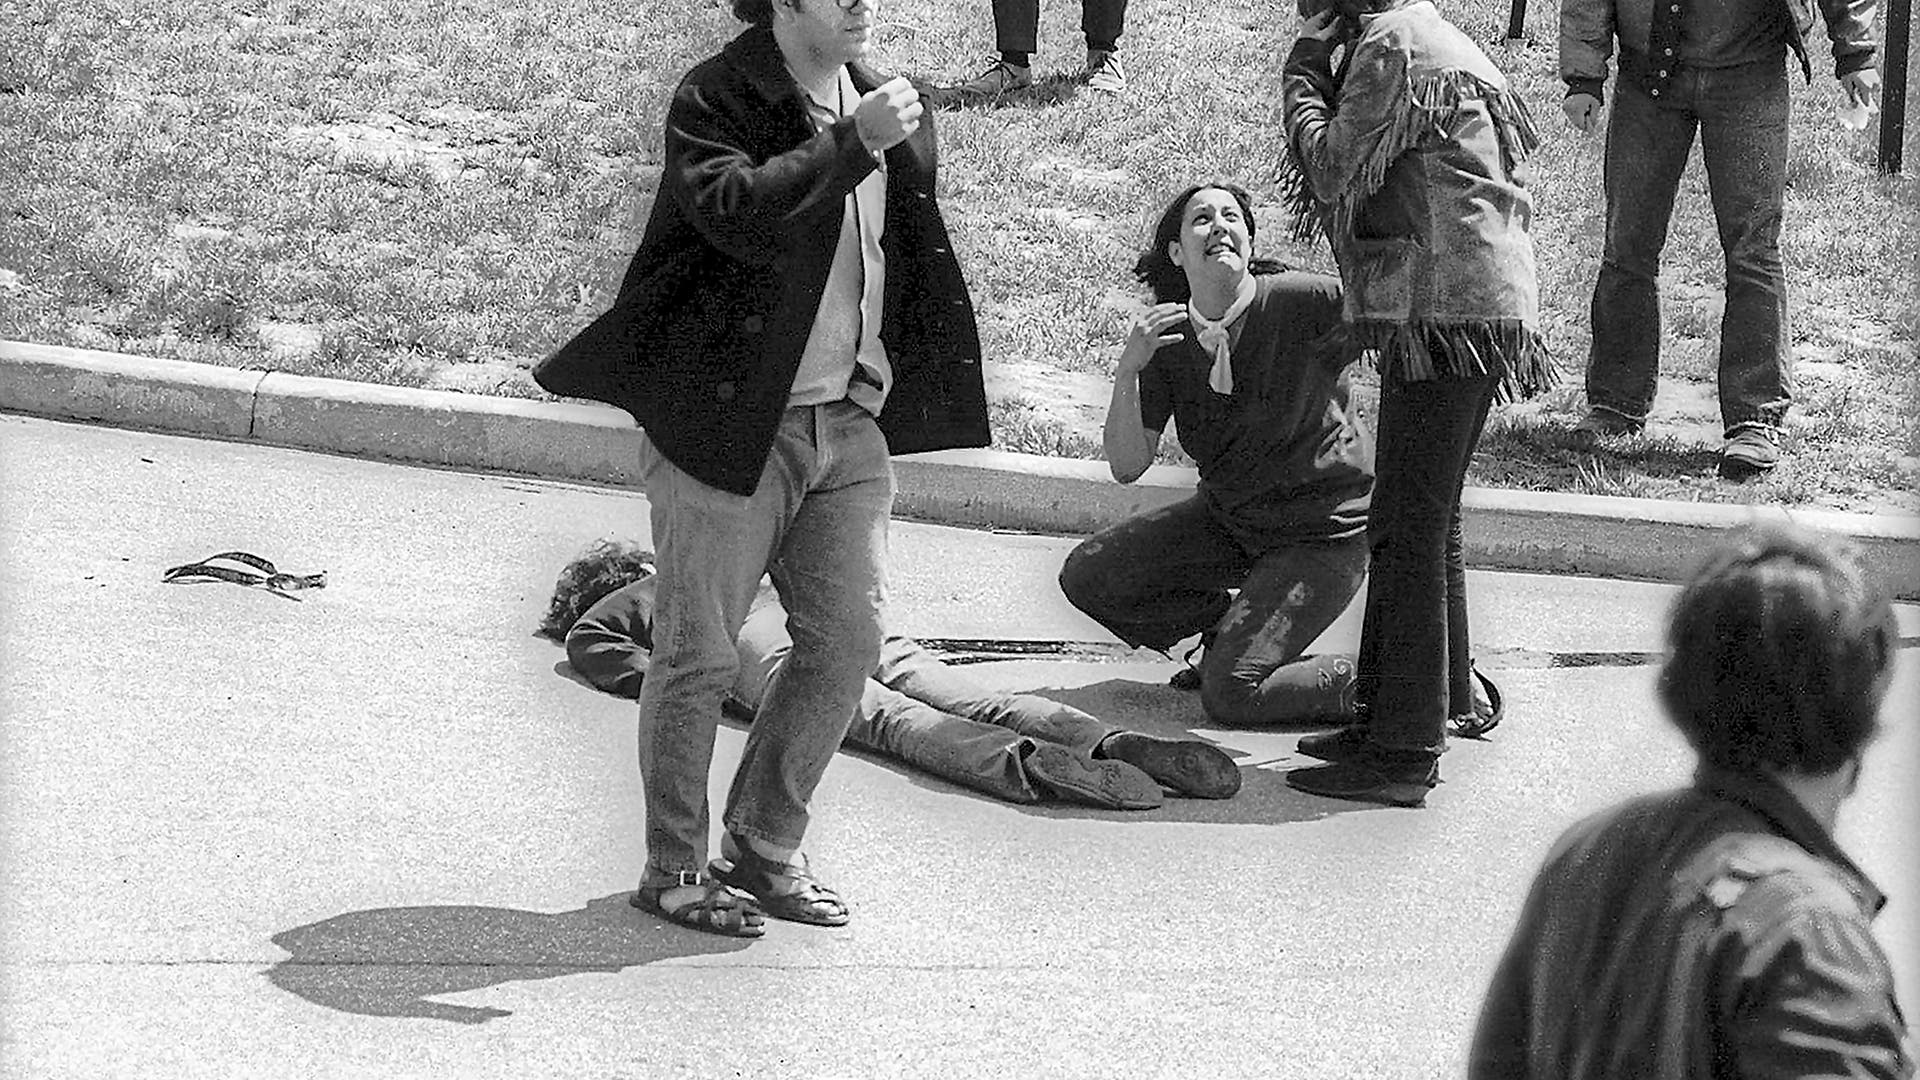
(1149, 335)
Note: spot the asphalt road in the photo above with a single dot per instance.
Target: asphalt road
(378, 832)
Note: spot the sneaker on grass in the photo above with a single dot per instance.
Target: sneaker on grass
(1104, 72)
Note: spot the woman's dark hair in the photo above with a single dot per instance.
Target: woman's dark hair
(1159, 273)
(602, 568)
(757, 12)
(1779, 651)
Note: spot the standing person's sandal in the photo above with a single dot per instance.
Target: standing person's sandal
(719, 910)
(784, 890)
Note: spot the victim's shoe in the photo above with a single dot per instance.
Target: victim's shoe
(1188, 766)
(1108, 784)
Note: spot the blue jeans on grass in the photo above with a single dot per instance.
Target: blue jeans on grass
(1162, 576)
(925, 714)
(817, 523)
(1741, 115)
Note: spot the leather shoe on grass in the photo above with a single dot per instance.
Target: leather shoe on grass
(1108, 784)
(1189, 767)
(1749, 452)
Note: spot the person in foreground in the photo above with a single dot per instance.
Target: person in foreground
(1019, 747)
(793, 316)
(1413, 162)
(1718, 930)
(1272, 547)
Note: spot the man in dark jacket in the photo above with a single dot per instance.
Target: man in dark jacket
(1719, 67)
(1718, 930)
(794, 313)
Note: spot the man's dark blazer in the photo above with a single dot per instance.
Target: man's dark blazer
(702, 344)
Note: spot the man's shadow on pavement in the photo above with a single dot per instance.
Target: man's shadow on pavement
(394, 961)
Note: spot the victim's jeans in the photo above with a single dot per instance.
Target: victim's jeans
(1016, 24)
(817, 523)
(1741, 115)
(925, 714)
(1159, 577)
(1415, 659)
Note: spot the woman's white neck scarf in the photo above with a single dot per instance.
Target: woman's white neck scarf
(1213, 337)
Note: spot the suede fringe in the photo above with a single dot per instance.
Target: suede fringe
(1429, 107)
(1430, 349)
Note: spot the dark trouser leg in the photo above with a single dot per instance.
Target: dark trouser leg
(1103, 21)
(1016, 26)
(1253, 672)
(1647, 144)
(1426, 437)
(1743, 142)
(1158, 577)
(1460, 686)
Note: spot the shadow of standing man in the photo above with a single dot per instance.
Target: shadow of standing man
(394, 961)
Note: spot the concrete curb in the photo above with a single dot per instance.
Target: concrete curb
(1512, 530)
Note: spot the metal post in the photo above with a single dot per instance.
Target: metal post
(1893, 87)
(1517, 20)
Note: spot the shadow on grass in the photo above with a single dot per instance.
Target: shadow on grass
(395, 961)
(1548, 456)
(1047, 91)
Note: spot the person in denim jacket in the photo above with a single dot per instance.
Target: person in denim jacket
(1719, 930)
(1717, 67)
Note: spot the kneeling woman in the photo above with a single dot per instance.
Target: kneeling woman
(1247, 358)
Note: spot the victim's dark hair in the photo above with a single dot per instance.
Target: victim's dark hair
(1166, 280)
(1779, 650)
(602, 568)
(757, 12)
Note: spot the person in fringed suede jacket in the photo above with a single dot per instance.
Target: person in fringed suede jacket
(794, 314)
(1413, 161)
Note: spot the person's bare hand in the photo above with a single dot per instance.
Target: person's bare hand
(1149, 335)
(888, 114)
(1583, 112)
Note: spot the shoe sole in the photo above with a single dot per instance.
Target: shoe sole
(1191, 769)
(1060, 771)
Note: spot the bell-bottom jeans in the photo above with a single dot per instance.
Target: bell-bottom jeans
(1415, 659)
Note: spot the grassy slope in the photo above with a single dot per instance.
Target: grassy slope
(435, 192)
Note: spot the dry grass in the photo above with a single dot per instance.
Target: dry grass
(436, 192)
